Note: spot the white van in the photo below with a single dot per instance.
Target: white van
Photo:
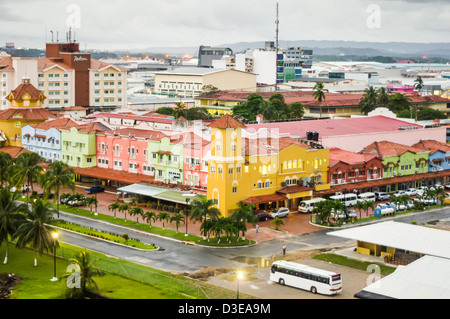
(307, 206)
(347, 199)
(369, 197)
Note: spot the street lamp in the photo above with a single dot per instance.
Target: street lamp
(239, 276)
(55, 236)
(187, 215)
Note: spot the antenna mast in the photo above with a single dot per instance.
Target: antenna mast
(277, 22)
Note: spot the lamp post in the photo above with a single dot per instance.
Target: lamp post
(239, 276)
(55, 236)
(187, 215)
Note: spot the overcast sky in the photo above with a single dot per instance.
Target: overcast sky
(120, 24)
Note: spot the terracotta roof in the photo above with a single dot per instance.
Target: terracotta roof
(14, 151)
(57, 124)
(433, 146)
(339, 155)
(226, 121)
(113, 175)
(23, 89)
(29, 114)
(386, 149)
(264, 199)
(285, 142)
(45, 63)
(74, 108)
(93, 127)
(294, 189)
(98, 65)
(6, 64)
(133, 117)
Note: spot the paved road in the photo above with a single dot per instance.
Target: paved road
(175, 256)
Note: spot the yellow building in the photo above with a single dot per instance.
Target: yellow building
(26, 108)
(189, 82)
(261, 168)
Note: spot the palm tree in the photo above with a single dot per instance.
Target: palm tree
(114, 207)
(244, 214)
(418, 83)
(124, 208)
(367, 204)
(6, 164)
(201, 208)
(206, 228)
(179, 110)
(10, 216)
(91, 201)
(319, 94)
(86, 272)
(359, 206)
(137, 211)
(36, 230)
(149, 217)
(27, 169)
(163, 217)
(383, 96)
(58, 175)
(369, 100)
(440, 194)
(177, 218)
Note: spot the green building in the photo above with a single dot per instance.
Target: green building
(400, 160)
(78, 144)
(166, 158)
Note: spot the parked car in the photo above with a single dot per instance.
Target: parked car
(382, 196)
(75, 202)
(400, 206)
(95, 189)
(411, 192)
(263, 216)
(400, 193)
(346, 214)
(280, 213)
(385, 205)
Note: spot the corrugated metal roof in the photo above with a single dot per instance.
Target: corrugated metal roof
(414, 238)
(426, 278)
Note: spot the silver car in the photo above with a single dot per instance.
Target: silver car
(280, 213)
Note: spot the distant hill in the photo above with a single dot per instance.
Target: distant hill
(398, 49)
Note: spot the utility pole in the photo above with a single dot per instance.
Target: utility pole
(277, 22)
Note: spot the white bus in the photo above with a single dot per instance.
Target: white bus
(306, 278)
(308, 205)
(347, 199)
(369, 197)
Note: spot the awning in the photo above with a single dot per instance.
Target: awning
(142, 189)
(155, 192)
(294, 189)
(113, 175)
(264, 199)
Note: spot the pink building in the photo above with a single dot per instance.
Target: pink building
(404, 89)
(126, 150)
(196, 153)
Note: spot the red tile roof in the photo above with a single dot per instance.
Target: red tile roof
(6, 64)
(23, 89)
(57, 124)
(264, 199)
(339, 155)
(113, 175)
(13, 150)
(386, 149)
(226, 121)
(28, 114)
(433, 146)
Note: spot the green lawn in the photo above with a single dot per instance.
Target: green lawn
(352, 263)
(36, 282)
